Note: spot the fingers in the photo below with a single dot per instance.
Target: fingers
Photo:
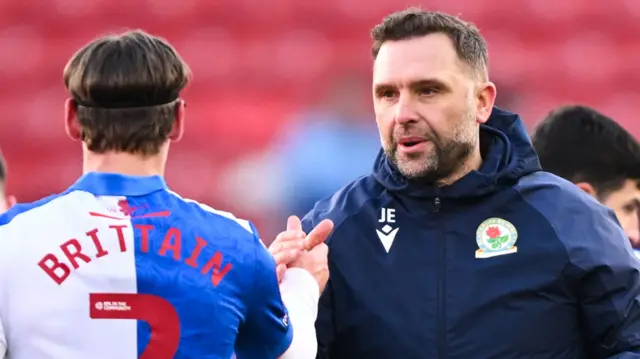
(319, 234)
(294, 224)
(286, 257)
(321, 250)
(284, 246)
(289, 244)
(287, 240)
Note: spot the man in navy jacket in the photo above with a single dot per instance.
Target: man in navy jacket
(458, 245)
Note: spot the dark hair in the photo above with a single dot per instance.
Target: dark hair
(414, 22)
(126, 89)
(582, 145)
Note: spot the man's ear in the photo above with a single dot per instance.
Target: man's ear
(588, 188)
(178, 124)
(11, 201)
(71, 124)
(486, 97)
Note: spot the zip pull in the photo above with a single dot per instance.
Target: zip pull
(436, 204)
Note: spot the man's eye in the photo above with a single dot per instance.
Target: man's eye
(630, 208)
(387, 94)
(427, 91)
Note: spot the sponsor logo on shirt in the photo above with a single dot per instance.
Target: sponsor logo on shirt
(124, 210)
(112, 306)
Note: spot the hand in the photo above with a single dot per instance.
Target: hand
(315, 260)
(288, 245)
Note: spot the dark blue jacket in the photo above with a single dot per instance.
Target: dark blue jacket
(508, 262)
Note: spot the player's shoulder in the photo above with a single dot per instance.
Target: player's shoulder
(237, 236)
(46, 209)
(27, 224)
(214, 217)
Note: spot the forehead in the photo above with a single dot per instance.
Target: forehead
(430, 56)
(630, 187)
(630, 190)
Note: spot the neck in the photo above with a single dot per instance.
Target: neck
(124, 163)
(471, 163)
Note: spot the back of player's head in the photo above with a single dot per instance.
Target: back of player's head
(470, 46)
(582, 145)
(125, 88)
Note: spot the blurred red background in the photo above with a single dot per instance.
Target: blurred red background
(256, 63)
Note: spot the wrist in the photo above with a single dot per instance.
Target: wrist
(300, 277)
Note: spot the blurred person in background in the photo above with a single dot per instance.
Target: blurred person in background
(458, 245)
(325, 148)
(6, 201)
(118, 244)
(593, 151)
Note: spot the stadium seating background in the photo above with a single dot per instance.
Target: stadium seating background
(257, 62)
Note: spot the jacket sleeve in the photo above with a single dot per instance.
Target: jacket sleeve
(325, 329)
(608, 286)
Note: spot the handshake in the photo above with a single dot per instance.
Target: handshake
(295, 249)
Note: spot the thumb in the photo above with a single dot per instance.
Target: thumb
(319, 234)
(294, 224)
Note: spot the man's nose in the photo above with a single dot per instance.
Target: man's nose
(633, 232)
(405, 110)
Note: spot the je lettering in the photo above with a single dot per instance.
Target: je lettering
(387, 215)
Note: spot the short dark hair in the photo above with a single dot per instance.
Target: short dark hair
(582, 145)
(126, 89)
(413, 22)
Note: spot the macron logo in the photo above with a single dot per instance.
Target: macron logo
(387, 234)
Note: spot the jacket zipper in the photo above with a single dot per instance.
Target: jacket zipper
(441, 290)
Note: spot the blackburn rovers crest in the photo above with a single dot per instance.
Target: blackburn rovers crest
(496, 237)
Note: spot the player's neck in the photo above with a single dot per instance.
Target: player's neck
(124, 163)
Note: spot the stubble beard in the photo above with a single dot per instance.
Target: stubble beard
(441, 159)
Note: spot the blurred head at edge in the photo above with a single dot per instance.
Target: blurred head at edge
(593, 151)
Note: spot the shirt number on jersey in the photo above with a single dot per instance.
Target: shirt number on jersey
(161, 316)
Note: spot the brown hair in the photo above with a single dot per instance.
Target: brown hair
(126, 89)
(414, 22)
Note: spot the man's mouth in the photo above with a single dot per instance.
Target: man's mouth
(412, 145)
(411, 141)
